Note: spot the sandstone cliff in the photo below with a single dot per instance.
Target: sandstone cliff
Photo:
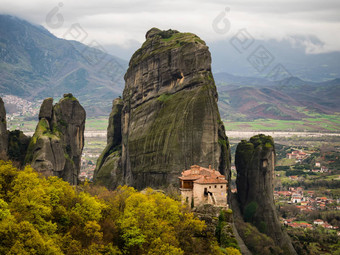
(255, 160)
(168, 116)
(3, 131)
(58, 141)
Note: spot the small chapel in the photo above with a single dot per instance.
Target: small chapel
(199, 185)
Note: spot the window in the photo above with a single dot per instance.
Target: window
(215, 186)
(221, 187)
(209, 187)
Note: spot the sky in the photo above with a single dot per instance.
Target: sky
(121, 25)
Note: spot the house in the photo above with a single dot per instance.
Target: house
(200, 185)
(300, 225)
(319, 222)
(284, 193)
(299, 155)
(296, 198)
(324, 169)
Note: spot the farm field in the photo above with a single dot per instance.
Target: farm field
(319, 123)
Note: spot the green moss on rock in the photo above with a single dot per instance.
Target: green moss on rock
(57, 143)
(170, 118)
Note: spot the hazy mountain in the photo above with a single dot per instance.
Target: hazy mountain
(247, 98)
(35, 64)
(290, 53)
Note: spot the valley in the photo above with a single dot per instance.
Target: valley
(249, 134)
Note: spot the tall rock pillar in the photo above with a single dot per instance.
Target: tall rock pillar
(255, 161)
(58, 141)
(169, 115)
(3, 131)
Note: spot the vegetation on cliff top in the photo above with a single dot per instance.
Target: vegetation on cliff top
(245, 149)
(159, 41)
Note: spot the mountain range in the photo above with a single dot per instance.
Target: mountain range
(35, 64)
(249, 98)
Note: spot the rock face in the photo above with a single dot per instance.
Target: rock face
(58, 141)
(169, 115)
(17, 146)
(3, 130)
(108, 169)
(255, 160)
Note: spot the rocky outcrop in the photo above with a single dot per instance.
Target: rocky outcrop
(108, 170)
(169, 116)
(3, 131)
(255, 160)
(58, 141)
(17, 146)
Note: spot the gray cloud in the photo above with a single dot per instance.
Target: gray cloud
(122, 23)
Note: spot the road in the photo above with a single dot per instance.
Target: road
(232, 134)
(248, 134)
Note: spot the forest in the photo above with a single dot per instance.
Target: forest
(49, 216)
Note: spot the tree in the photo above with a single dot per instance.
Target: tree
(41, 215)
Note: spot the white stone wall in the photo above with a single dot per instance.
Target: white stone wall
(220, 193)
(186, 196)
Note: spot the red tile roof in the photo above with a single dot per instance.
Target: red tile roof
(203, 175)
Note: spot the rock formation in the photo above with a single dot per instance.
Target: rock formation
(58, 141)
(168, 116)
(109, 161)
(255, 160)
(3, 131)
(17, 146)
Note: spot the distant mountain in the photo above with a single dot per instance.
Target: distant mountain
(289, 52)
(227, 81)
(34, 64)
(247, 98)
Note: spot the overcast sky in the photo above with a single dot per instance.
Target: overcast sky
(125, 22)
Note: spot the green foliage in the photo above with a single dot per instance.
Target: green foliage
(231, 251)
(43, 129)
(49, 216)
(164, 97)
(262, 140)
(17, 146)
(314, 241)
(162, 42)
(222, 142)
(244, 150)
(249, 211)
(224, 232)
(257, 243)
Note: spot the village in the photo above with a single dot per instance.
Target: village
(306, 201)
(301, 204)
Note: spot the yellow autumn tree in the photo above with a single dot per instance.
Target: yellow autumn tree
(41, 215)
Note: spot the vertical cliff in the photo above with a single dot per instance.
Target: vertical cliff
(108, 170)
(169, 115)
(3, 130)
(58, 141)
(255, 161)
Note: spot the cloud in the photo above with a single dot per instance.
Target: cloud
(122, 23)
